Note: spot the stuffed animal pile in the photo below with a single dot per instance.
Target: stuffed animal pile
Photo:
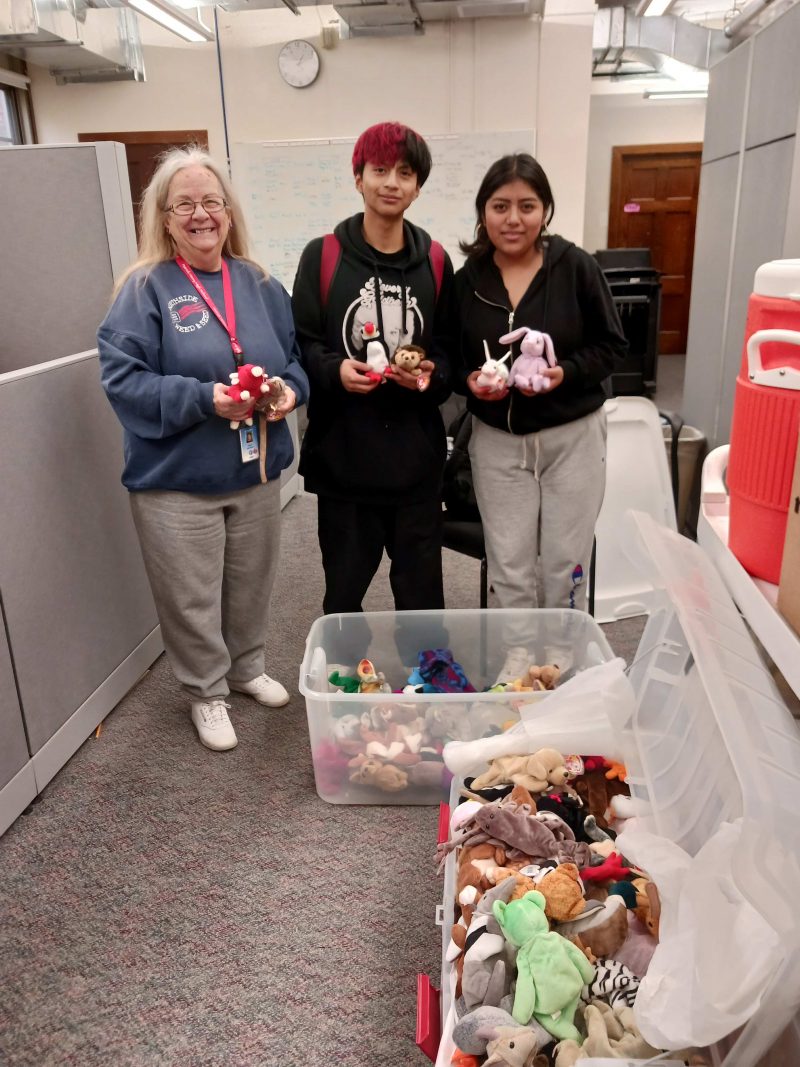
(396, 745)
(553, 930)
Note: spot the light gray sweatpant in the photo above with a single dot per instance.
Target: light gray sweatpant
(211, 561)
(539, 495)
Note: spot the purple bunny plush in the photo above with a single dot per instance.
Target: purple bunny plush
(536, 354)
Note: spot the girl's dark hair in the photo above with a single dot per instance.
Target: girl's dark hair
(501, 172)
(388, 142)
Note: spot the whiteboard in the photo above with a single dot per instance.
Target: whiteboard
(293, 191)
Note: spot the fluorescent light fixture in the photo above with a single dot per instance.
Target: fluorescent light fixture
(654, 8)
(676, 94)
(476, 9)
(173, 19)
(389, 29)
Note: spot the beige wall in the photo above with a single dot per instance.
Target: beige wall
(563, 129)
(626, 120)
(181, 93)
(458, 77)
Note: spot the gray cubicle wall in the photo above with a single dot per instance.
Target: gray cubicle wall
(16, 770)
(78, 622)
(75, 594)
(64, 238)
(748, 211)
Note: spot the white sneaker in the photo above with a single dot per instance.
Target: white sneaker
(263, 689)
(516, 663)
(214, 728)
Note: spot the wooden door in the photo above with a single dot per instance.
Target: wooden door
(654, 205)
(142, 149)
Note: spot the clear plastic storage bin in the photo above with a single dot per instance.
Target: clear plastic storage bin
(479, 640)
(710, 741)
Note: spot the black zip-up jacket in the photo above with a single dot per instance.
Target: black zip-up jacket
(570, 300)
(387, 446)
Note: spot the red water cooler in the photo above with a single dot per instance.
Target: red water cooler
(766, 418)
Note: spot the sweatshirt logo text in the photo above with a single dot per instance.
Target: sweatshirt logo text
(188, 313)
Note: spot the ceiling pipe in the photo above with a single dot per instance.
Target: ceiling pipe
(746, 15)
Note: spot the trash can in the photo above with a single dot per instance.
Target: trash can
(690, 454)
(636, 288)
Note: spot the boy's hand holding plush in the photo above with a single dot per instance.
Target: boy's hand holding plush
(353, 374)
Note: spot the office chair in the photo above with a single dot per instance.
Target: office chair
(466, 537)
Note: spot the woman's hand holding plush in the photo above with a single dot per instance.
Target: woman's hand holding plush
(228, 408)
(484, 393)
(556, 376)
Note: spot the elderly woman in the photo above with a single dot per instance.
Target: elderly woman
(205, 495)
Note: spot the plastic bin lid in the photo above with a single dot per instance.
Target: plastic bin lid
(711, 738)
(780, 278)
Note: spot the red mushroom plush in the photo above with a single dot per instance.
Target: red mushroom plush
(248, 383)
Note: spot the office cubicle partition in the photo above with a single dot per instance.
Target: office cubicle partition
(78, 622)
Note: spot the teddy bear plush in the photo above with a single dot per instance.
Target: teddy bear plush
(523, 883)
(409, 358)
(473, 863)
(535, 772)
(551, 971)
(562, 890)
(601, 926)
(381, 775)
(544, 678)
(648, 905)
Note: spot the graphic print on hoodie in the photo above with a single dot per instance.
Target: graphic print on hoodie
(397, 316)
(387, 446)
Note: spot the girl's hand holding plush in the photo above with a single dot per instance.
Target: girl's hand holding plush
(556, 376)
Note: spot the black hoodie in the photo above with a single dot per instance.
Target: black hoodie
(570, 300)
(387, 446)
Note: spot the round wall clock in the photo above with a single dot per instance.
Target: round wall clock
(298, 63)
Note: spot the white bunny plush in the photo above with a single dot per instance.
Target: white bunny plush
(536, 354)
(494, 372)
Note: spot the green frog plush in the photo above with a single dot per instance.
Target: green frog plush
(551, 971)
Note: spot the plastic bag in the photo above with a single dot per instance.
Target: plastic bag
(573, 718)
(717, 953)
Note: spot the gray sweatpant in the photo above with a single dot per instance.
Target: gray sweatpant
(211, 561)
(539, 495)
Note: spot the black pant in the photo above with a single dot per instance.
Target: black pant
(353, 535)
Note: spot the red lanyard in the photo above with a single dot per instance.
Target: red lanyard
(229, 322)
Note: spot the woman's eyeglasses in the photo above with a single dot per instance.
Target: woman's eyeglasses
(212, 204)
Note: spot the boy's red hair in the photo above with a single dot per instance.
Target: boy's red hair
(388, 142)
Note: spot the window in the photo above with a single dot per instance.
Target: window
(9, 118)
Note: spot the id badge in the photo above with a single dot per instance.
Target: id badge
(248, 441)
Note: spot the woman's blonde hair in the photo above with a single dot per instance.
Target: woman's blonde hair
(155, 243)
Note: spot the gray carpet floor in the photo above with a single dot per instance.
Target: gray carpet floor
(163, 904)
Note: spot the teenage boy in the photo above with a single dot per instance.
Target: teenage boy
(375, 446)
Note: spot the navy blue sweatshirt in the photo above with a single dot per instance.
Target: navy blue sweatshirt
(570, 300)
(161, 352)
(387, 446)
